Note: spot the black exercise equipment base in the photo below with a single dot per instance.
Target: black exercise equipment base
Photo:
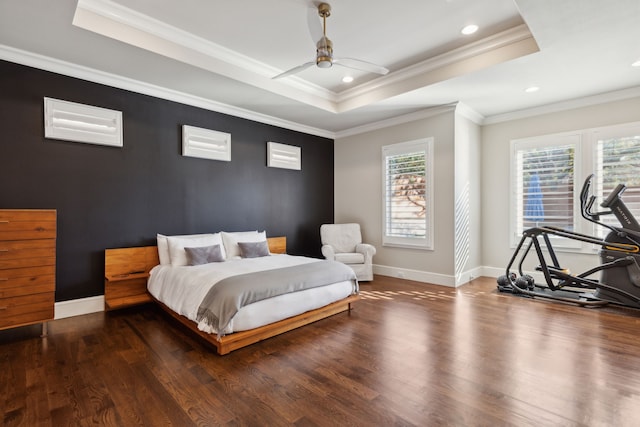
(581, 298)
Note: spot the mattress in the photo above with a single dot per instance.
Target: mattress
(182, 289)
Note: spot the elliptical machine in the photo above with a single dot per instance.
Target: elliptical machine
(619, 270)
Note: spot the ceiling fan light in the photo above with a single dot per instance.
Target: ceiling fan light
(324, 62)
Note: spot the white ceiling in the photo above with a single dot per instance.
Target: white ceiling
(222, 54)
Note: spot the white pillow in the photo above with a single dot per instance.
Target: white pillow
(177, 244)
(231, 240)
(163, 245)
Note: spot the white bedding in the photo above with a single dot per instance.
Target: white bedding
(182, 288)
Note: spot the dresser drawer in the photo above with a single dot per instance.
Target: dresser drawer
(23, 310)
(19, 230)
(25, 262)
(12, 249)
(13, 273)
(26, 253)
(28, 285)
(16, 215)
(19, 224)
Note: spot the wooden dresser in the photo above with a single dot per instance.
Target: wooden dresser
(27, 267)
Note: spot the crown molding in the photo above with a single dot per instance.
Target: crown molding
(603, 98)
(505, 46)
(131, 18)
(479, 47)
(96, 76)
(460, 108)
(94, 14)
(465, 111)
(399, 120)
(120, 23)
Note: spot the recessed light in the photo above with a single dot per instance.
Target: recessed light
(347, 79)
(636, 64)
(532, 89)
(469, 29)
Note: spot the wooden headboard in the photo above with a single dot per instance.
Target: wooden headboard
(126, 271)
(277, 245)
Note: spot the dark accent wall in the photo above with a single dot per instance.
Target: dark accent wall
(110, 197)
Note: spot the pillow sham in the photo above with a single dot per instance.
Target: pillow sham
(163, 245)
(231, 240)
(204, 255)
(177, 253)
(254, 249)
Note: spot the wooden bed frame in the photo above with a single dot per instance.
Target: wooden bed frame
(126, 274)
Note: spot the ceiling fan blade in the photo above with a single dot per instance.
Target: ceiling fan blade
(324, 47)
(358, 64)
(294, 70)
(314, 24)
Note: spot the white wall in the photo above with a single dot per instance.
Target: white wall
(358, 196)
(496, 250)
(467, 208)
(471, 189)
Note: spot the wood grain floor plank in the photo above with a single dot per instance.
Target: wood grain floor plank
(409, 354)
(15, 410)
(122, 390)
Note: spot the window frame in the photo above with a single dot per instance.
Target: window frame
(408, 147)
(585, 163)
(516, 206)
(605, 133)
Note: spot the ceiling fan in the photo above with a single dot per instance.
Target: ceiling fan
(324, 53)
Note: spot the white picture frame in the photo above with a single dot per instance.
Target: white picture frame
(284, 156)
(71, 121)
(205, 143)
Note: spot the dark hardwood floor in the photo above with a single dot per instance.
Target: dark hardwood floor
(408, 354)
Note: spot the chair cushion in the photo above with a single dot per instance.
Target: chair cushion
(343, 237)
(350, 258)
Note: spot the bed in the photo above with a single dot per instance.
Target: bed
(181, 290)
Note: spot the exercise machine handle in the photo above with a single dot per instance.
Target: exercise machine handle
(586, 203)
(613, 196)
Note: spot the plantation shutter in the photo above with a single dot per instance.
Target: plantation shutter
(544, 184)
(618, 162)
(407, 194)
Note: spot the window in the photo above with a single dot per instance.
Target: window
(617, 154)
(548, 173)
(545, 175)
(408, 196)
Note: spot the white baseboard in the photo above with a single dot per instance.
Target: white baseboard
(417, 275)
(436, 278)
(78, 307)
(467, 276)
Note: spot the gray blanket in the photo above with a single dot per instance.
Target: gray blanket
(227, 296)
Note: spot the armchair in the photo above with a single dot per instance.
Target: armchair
(343, 243)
